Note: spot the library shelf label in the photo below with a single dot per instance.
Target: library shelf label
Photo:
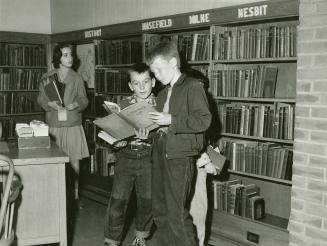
(199, 18)
(92, 33)
(259, 10)
(157, 24)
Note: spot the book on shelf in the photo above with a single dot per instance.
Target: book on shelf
(122, 124)
(269, 81)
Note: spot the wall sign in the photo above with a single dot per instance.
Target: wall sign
(92, 33)
(259, 10)
(199, 18)
(157, 24)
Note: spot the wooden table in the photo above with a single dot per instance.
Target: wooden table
(41, 217)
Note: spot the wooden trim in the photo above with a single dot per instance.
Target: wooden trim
(24, 37)
(217, 16)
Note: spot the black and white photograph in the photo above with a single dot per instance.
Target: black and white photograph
(163, 123)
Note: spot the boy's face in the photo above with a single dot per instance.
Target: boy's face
(164, 70)
(141, 84)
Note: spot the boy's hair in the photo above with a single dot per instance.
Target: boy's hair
(140, 68)
(57, 53)
(166, 49)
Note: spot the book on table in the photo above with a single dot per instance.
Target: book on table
(121, 124)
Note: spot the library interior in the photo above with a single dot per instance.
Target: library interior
(235, 139)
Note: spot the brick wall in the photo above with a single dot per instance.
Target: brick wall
(308, 221)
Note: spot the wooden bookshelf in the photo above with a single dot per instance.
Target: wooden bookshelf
(23, 60)
(257, 128)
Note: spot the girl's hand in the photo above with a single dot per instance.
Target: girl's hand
(162, 119)
(72, 106)
(55, 105)
(142, 133)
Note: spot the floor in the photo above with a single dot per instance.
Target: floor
(88, 226)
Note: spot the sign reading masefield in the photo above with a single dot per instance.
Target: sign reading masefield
(157, 24)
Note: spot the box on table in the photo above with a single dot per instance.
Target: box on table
(33, 142)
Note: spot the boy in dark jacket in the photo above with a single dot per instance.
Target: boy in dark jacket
(184, 116)
(133, 168)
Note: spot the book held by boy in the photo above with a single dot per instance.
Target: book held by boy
(121, 124)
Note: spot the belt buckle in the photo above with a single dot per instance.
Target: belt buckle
(134, 146)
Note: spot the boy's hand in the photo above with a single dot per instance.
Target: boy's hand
(142, 133)
(55, 105)
(72, 106)
(211, 169)
(120, 144)
(161, 119)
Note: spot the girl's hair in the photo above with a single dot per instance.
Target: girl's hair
(57, 53)
(165, 49)
(140, 68)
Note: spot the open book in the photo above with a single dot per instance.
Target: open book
(121, 124)
(111, 107)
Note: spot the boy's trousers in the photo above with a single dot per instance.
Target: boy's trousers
(199, 205)
(171, 183)
(129, 172)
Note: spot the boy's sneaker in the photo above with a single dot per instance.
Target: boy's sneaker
(139, 241)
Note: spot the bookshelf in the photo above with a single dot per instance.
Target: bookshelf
(23, 60)
(248, 54)
(253, 77)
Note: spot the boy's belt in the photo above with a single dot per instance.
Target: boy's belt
(138, 146)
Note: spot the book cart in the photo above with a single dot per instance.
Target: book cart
(248, 54)
(23, 60)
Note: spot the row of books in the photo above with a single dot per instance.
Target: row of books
(111, 81)
(113, 52)
(12, 103)
(240, 199)
(102, 162)
(259, 120)
(20, 79)
(266, 159)
(22, 55)
(192, 47)
(273, 41)
(256, 81)
(8, 127)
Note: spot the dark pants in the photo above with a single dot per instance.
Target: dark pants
(130, 170)
(171, 182)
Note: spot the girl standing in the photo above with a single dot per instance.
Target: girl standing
(64, 116)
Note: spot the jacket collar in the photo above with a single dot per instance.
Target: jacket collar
(179, 82)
